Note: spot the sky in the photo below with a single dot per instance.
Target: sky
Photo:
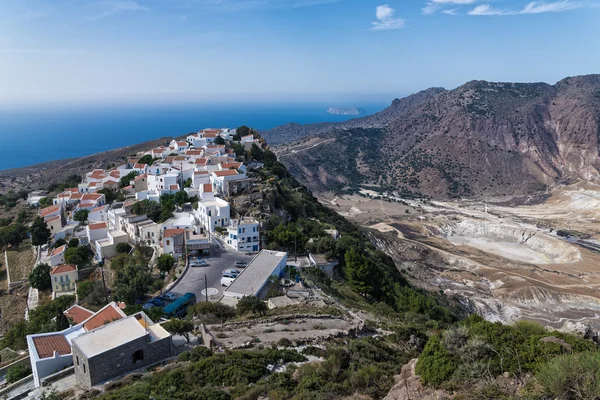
(223, 50)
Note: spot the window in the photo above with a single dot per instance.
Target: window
(84, 368)
(77, 359)
(138, 355)
(168, 242)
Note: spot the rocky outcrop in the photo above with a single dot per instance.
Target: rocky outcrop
(408, 386)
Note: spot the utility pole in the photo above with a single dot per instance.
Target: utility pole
(104, 283)
(296, 248)
(205, 288)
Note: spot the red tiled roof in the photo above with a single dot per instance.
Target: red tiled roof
(93, 184)
(182, 143)
(49, 210)
(193, 152)
(53, 218)
(58, 250)
(47, 345)
(91, 196)
(71, 190)
(105, 316)
(110, 182)
(76, 196)
(200, 172)
(78, 314)
(228, 172)
(174, 187)
(61, 269)
(231, 165)
(140, 166)
(201, 161)
(140, 177)
(173, 232)
(101, 208)
(207, 187)
(100, 225)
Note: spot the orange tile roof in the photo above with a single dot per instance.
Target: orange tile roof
(182, 143)
(61, 269)
(76, 196)
(101, 208)
(71, 190)
(53, 218)
(200, 172)
(230, 165)
(140, 166)
(93, 184)
(193, 152)
(103, 317)
(140, 177)
(78, 314)
(173, 232)
(228, 172)
(47, 345)
(91, 196)
(201, 161)
(49, 210)
(174, 187)
(207, 187)
(100, 225)
(58, 250)
(115, 174)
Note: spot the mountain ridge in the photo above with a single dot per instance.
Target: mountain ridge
(480, 139)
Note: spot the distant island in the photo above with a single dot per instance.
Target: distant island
(347, 111)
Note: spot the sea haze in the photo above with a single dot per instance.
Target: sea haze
(34, 135)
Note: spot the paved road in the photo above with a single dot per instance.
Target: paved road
(221, 258)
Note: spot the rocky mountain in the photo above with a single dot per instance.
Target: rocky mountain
(480, 139)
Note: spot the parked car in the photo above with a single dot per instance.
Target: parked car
(240, 264)
(227, 280)
(233, 272)
(198, 263)
(169, 296)
(153, 303)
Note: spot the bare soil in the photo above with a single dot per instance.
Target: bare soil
(20, 262)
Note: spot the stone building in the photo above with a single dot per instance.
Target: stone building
(117, 348)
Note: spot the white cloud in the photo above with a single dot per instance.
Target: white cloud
(450, 12)
(111, 7)
(535, 7)
(486, 9)
(433, 6)
(386, 19)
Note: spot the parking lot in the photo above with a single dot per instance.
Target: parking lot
(220, 259)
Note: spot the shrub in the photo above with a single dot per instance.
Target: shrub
(17, 372)
(123, 248)
(436, 365)
(284, 342)
(251, 304)
(39, 278)
(573, 376)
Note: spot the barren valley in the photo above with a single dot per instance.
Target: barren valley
(505, 261)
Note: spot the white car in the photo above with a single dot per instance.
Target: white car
(227, 281)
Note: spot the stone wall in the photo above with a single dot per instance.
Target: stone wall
(118, 361)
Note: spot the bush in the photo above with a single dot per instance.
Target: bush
(165, 262)
(17, 372)
(196, 354)
(285, 342)
(59, 242)
(573, 376)
(251, 304)
(74, 242)
(77, 255)
(210, 313)
(123, 248)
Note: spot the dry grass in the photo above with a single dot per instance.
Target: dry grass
(12, 308)
(21, 262)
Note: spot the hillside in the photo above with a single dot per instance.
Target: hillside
(480, 139)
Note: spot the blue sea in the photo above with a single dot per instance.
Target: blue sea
(34, 135)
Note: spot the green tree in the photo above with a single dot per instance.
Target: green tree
(127, 178)
(39, 277)
(165, 262)
(39, 231)
(242, 131)
(81, 216)
(181, 197)
(22, 217)
(13, 235)
(251, 304)
(74, 242)
(17, 372)
(179, 327)
(146, 159)
(77, 255)
(45, 202)
(59, 242)
(257, 153)
(123, 248)
(109, 194)
(219, 140)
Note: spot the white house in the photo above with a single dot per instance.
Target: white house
(57, 256)
(51, 352)
(99, 214)
(243, 235)
(96, 231)
(54, 224)
(212, 211)
(107, 248)
(222, 180)
(63, 279)
(148, 233)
